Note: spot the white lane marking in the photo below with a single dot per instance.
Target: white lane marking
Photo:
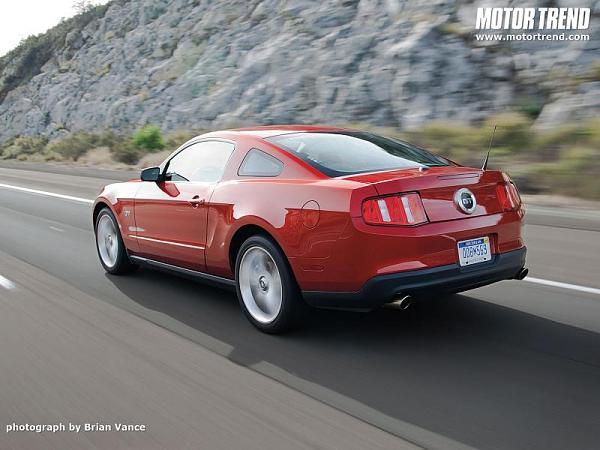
(574, 287)
(46, 193)
(60, 230)
(6, 283)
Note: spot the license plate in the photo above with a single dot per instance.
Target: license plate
(474, 251)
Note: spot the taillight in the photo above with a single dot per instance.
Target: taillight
(401, 209)
(508, 196)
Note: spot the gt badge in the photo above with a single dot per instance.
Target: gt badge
(465, 200)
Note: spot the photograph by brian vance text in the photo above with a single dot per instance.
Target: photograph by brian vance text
(71, 427)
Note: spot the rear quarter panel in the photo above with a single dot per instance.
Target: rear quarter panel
(305, 217)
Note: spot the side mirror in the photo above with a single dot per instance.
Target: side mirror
(151, 174)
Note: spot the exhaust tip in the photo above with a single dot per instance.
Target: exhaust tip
(522, 273)
(402, 302)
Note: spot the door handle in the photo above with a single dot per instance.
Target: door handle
(196, 201)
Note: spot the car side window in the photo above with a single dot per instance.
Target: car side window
(200, 162)
(257, 163)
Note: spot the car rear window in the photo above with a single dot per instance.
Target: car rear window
(347, 153)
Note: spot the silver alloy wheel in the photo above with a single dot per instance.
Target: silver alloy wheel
(260, 284)
(107, 241)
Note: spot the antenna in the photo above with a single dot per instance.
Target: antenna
(487, 157)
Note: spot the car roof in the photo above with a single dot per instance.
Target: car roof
(274, 130)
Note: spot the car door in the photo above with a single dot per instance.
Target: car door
(171, 215)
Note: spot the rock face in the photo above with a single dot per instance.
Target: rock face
(186, 64)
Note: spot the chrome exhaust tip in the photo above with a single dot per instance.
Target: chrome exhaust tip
(402, 302)
(522, 273)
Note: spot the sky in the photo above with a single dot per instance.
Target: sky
(22, 18)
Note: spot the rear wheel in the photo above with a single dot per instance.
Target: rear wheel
(111, 250)
(266, 288)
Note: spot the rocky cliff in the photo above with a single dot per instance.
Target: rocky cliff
(198, 64)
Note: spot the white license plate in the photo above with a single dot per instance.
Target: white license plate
(474, 251)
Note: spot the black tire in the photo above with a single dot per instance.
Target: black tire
(293, 308)
(122, 264)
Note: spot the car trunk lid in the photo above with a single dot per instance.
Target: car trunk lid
(437, 187)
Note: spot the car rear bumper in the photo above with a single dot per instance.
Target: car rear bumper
(443, 279)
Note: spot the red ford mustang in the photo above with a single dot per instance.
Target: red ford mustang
(329, 217)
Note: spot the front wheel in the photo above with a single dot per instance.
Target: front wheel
(266, 288)
(109, 244)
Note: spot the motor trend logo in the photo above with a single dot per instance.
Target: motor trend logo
(527, 20)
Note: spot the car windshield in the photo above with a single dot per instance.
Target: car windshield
(346, 153)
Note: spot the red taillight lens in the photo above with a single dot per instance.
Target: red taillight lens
(402, 209)
(514, 193)
(508, 196)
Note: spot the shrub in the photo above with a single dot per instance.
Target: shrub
(23, 146)
(52, 156)
(77, 144)
(74, 145)
(149, 138)
(124, 150)
(109, 139)
(127, 154)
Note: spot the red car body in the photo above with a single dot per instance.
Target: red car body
(337, 258)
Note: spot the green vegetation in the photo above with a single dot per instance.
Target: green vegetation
(126, 152)
(559, 161)
(22, 147)
(127, 149)
(149, 138)
(75, 145)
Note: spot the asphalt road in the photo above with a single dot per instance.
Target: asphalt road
(510, 366)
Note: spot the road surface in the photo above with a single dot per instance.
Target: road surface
(510, 366)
